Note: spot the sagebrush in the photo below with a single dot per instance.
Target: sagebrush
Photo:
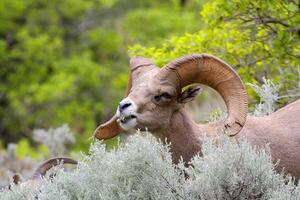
(142, 168)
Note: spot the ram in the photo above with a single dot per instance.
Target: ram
(41, 171)
(155, 101)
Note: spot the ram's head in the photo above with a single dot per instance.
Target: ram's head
(154, 94)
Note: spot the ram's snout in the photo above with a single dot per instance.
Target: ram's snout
(126, 114)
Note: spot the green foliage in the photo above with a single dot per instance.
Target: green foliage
(66, 61)
(24, 149)
(43, 72)
(146, 26)
(258, 38)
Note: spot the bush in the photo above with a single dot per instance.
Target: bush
(22, 158)
(142, 168)
(56, 139)
(268, 93)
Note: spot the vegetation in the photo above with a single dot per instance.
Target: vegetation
(226, 171)
(66, 62)
(258, 38)
(23, 159)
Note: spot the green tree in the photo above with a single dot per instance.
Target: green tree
(66, 61)
(258, 38)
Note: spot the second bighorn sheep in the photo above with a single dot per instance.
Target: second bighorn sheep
(155, 101)
(41, 171)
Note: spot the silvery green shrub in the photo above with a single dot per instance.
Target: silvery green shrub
(269, 94)
(11, 164)
(142, 168)
(56, 139)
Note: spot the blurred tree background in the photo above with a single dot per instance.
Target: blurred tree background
(67, 61)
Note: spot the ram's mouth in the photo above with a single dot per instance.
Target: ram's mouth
(125, 119)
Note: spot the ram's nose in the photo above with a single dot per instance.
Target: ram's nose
(125, 104)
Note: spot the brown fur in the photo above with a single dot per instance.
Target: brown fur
(165, 116)
(280, 130)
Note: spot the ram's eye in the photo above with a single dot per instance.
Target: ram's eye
(163, 98)
(157, 97)
(166, 95)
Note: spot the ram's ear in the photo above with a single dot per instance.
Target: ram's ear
(112, 128)
(108, 130)
(189, 94)
(16, 179)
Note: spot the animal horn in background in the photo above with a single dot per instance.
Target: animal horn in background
(211, 71)
(48, 164)
(112, 128)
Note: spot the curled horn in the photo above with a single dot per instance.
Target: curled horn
(112, 128)
(209, 70)
(48, 164)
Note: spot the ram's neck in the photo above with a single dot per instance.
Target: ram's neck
(183, 134)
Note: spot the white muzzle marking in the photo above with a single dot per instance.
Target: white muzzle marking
(127, 117)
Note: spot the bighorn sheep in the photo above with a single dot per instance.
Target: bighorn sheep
(41, 171)
(154, 100)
